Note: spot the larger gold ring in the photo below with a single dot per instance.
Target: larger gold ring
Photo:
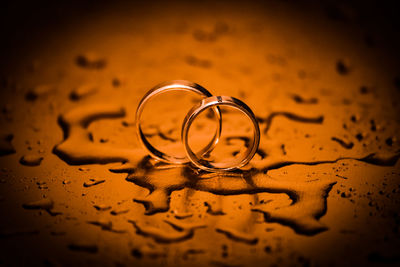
(176, 85)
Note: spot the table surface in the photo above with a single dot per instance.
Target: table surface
(77, 188)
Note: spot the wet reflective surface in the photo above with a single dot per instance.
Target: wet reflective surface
(76, 187)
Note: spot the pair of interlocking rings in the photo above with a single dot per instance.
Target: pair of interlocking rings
(209, 101)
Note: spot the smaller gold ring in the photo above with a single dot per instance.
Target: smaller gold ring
(213, 102)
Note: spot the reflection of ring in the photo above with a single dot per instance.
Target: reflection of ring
(174, 86)
(212, 102)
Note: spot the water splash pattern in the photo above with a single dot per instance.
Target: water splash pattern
(309, 199)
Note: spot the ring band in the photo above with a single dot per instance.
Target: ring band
(176, 85)
(212, 102)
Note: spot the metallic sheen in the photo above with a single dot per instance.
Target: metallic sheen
(176, 85)
(212, 102)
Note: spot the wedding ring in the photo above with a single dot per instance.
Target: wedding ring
(213, 102)
(176, 85)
